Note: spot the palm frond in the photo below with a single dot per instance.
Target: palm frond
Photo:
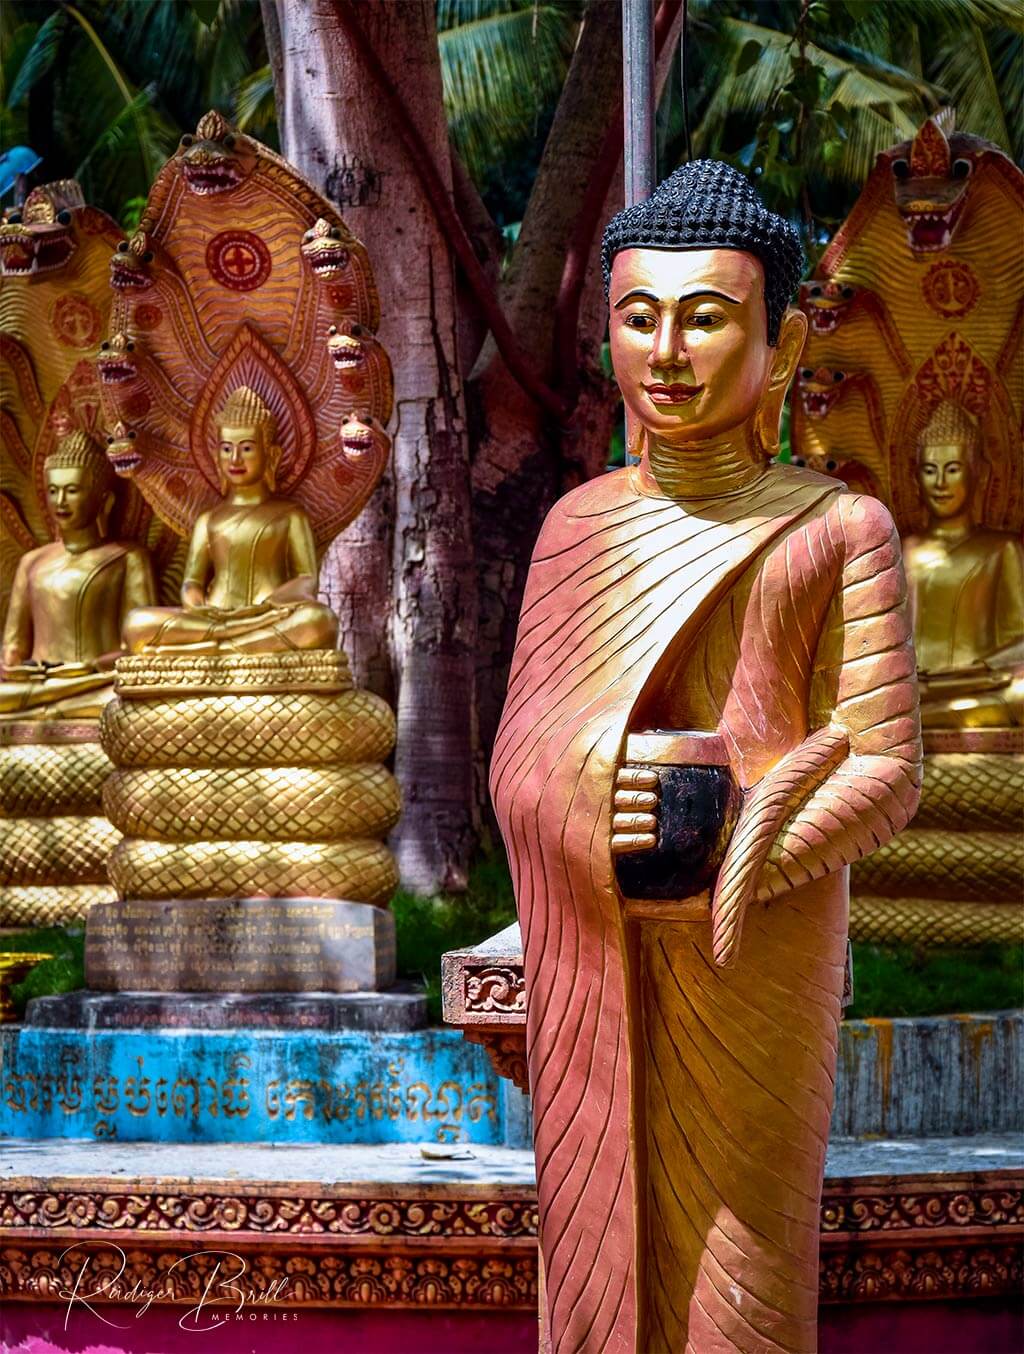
(254, 101)
(965, 66)
(40, 57)
(499, 71)
(953, 16)
(888, 103)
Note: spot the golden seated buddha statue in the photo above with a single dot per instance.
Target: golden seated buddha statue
(61, 637)
(966, 586)
(251, 572)
(71, 597)
(248, 767)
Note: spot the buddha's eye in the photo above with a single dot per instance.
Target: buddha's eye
(643, 323)
(705, 319)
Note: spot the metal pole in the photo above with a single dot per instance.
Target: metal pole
(638, 98)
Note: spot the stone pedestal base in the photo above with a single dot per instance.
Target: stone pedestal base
(400, 1010)
(239, 945)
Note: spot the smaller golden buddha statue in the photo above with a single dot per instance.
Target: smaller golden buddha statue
(71, 597)
(251, 573)
(966, 586)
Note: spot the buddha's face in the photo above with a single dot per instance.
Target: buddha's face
(689, 339)
(944, 473)
(74, 499)
(242, 456)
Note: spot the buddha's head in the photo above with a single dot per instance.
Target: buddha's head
(79, 484)
(699, 279)
(247, 452)
(946, 461)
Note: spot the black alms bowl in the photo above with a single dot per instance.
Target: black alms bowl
(698, 809)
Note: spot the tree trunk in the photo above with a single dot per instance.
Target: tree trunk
(402, 575)
(524, 460)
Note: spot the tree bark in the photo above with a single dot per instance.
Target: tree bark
(402, 575)
(524, 460)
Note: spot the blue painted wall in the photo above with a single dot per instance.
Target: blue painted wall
(251, 1086)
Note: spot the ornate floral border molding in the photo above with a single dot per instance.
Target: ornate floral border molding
(293, 1246)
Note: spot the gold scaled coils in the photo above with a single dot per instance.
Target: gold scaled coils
(243, 777)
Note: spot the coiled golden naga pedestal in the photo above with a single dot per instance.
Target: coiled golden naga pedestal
(249, 776)
(956, 875)
(54, 841)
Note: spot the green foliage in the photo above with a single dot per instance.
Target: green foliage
(428, 927)
(907, 981)
(805, 93)
(503, 63)
(103, 89)
(64, 972)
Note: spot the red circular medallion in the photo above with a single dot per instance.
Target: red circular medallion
(147, 316)
(238, 259)
(950, 288)
(75, 320)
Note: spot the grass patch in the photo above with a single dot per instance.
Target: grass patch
(911, 981)
(428, 927)
(64, 972)
(888, 980)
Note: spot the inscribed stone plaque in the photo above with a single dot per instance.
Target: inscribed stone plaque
(239, 945)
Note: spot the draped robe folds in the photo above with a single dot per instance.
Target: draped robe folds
(681, 1110)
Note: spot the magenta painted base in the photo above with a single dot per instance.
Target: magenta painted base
(989, 1326)
(985, 1327)
(37, 1328)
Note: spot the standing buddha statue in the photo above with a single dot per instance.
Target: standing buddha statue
(251, 572)
(966, 589)
(712, 711)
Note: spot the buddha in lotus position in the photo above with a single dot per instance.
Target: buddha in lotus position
(71, 597)
(966, 589)
(251, 573)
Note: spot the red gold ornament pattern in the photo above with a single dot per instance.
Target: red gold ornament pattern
(75, 320)
(950, 288)
(238, 259)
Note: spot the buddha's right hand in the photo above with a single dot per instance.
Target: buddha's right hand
(635, 820)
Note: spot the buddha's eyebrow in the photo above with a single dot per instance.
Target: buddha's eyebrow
(642, 294)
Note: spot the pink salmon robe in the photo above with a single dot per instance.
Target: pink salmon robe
(681, 1109)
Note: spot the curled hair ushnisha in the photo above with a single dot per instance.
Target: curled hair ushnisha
(950, 425)
(708, 204)
(77, 450)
